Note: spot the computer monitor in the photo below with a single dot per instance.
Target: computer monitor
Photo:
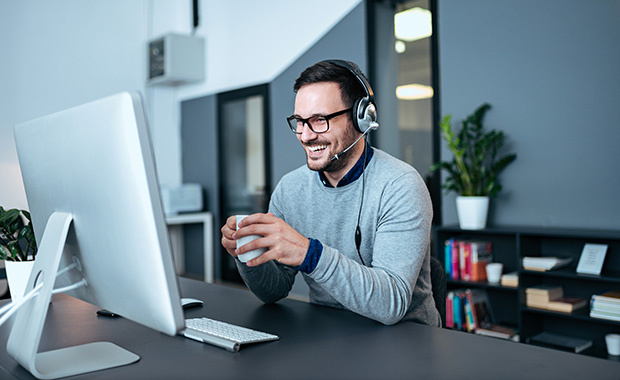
(93, 193)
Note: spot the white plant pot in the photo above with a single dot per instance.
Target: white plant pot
(472, 212)
(17, 275)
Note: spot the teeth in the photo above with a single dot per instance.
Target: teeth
(316, 148)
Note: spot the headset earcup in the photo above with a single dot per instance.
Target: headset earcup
(357, 112)
(365, 115)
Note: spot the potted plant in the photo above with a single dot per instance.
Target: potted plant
(475, 166)
(18, 248)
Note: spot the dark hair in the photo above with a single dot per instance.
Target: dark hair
(350, 86)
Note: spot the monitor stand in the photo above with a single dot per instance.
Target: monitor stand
(28, 323)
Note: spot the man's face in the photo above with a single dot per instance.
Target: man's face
(323, 99)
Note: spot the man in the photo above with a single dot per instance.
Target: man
(354, 221)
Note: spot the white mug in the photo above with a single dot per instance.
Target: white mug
(245, 240)
(494, 272)
(613, 344)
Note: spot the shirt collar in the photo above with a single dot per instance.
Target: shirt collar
(355, 172)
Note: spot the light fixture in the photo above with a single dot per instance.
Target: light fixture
(413, 24)
(414, 92)
(400, 46)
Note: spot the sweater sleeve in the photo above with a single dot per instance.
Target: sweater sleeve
(272, 280)
(385, 290)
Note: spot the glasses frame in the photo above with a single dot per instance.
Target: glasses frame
(307, 121)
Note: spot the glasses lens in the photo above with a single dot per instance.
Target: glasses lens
(319, 124)
(292, 123)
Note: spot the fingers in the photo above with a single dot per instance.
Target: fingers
(228, 242)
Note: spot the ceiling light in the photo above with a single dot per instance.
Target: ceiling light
(413, 24)
(400, 47)
(414, 92)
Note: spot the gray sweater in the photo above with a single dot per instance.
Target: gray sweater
(396, 227)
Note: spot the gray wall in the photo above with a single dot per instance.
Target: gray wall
(200, 165)
(551, 71)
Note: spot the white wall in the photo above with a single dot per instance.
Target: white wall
(58, 54)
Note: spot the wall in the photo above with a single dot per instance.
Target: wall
(550, 71)
(59, 54)
(56, 55)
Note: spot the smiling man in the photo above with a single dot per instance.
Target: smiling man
(354, 221)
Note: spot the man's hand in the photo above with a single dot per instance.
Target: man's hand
(284, 244)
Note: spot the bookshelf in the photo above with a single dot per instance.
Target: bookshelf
(510, 245)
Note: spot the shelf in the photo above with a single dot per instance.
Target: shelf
(580, 315)
(571, 274)
(481, 285)
(511, 244)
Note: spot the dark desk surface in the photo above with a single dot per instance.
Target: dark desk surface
(315, 343)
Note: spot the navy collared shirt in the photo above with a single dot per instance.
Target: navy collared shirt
(355, 172)
(316, 248)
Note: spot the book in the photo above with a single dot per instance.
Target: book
(552, 291)
(561, 342)
(510, 279)
(497, 331)
(464, 260)
(567, 304)
(456, 311)
(540, 295)
(612, 296)
(470, 309)
(605, 315)
(448, 257)
(545, 263)
(601, 305)
(540, 302)
(449, 312)
(481, 255)
(480, 308)
(455, 260)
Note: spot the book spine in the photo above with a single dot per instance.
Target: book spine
(472, 310)
(449, 310)
(448, 257)
(469, 315)
(462, 261)
(604, 315)
(456, 311)
(455, 260)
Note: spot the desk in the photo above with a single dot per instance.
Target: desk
(315, 343)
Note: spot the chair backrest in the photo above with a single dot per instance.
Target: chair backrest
(439, 287)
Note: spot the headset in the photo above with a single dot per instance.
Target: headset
(364, 120)
(364, 109)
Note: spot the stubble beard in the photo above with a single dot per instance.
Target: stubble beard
(343, 158)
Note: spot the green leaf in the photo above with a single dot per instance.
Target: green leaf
(474, 166)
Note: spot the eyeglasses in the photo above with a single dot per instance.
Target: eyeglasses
(316, 123)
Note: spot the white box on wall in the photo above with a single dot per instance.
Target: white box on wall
(176, 59)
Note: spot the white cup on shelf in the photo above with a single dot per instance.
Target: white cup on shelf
(494, 272)
(613, 344)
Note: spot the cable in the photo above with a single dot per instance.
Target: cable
(20, 303)
(358, 231)
(11, 307)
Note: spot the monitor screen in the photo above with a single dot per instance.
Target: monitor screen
(93, 193)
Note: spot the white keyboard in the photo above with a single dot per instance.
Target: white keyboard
(223, 334)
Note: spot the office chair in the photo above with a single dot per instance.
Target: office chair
(439, 287)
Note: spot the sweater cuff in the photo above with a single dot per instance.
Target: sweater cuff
(312, 257)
